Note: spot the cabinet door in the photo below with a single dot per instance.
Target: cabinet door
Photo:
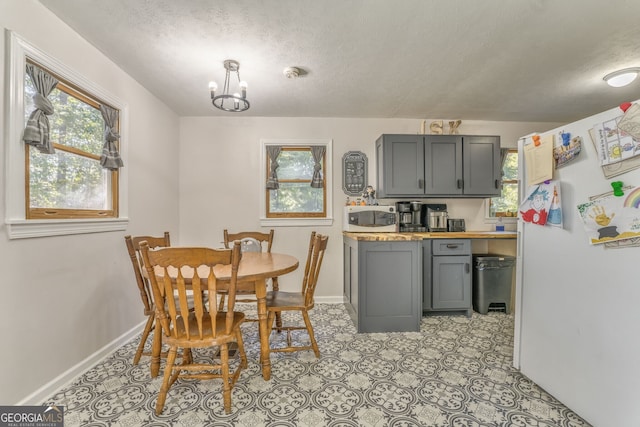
(390, 286)
(451, 282)
(443, 165)
(482, 168)
(426, 275)
(400, 164)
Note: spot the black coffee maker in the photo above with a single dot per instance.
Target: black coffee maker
(409, 217)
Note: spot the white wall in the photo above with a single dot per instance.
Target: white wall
(64, 298)
(220, 179)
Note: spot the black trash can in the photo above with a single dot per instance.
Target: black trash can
(492, 279)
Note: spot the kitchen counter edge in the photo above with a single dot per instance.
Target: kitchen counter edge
(439, 235)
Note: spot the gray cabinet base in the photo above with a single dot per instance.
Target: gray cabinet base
(383, 285)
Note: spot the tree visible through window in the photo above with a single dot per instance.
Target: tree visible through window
(295, 198)
(70, 183)
(507, 204)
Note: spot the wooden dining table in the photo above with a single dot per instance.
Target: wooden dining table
(253, 271)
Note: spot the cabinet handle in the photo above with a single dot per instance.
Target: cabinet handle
(452, 246)
(466, 267)
(459, 183)
(497, 183)
(421, 183)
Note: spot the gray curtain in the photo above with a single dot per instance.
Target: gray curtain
(503, 156)
(36, 132)
(110, 158)
(272, 181)
(318, 152)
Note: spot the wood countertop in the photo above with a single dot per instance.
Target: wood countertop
(440, 235)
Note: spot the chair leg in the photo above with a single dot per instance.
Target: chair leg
(143, 339)
(226, 386)
(314, 344)
(243, 355)
(164, 389)
(221, 305)
(276, 287)
(270, 317)
(156, 350)
(187, 356)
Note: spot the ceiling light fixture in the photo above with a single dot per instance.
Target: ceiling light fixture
(622, 77)
(236, 102)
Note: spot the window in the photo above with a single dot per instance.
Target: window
(67, 192)
(294, 200)
(70, 183)
(507, 204)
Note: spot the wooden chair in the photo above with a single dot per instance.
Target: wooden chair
(278, 301)
(204, 326)
(265, 239)
(133, 247)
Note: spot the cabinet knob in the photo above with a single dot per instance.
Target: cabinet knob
(459, 183)
(421, 183)
(467, 267)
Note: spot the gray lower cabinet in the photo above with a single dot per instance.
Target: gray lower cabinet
(383, 284)
(447, 269)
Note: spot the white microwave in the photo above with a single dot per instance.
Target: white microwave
(369, 219)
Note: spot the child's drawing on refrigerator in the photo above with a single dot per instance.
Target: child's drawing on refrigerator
(612, 218)
(535, 208)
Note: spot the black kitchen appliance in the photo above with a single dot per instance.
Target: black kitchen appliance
(410, 214)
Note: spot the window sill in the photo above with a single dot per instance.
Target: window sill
(505, 219)
(25, 229)
(295, 222)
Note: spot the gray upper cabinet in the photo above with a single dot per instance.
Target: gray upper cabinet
(443, 165)
(482, 168)
(438, 166)
(400, 165)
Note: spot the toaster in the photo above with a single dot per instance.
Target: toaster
(456, 224)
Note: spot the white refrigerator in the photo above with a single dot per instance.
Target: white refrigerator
(578, 305)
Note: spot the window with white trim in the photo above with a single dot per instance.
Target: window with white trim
(69, 183)
(295, 182)
(68, 192)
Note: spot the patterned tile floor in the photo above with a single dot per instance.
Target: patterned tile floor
(454, 372)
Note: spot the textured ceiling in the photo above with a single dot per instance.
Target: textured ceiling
(527, 60)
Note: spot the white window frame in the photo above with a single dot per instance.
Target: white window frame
(18, 227)
(487, 208)
(291, 222)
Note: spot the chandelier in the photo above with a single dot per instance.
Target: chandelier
(227, 101)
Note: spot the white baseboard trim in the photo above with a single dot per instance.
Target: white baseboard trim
(329, 300)
(49, 389)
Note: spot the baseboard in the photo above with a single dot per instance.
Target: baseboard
(329, 300)
(67, 377)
